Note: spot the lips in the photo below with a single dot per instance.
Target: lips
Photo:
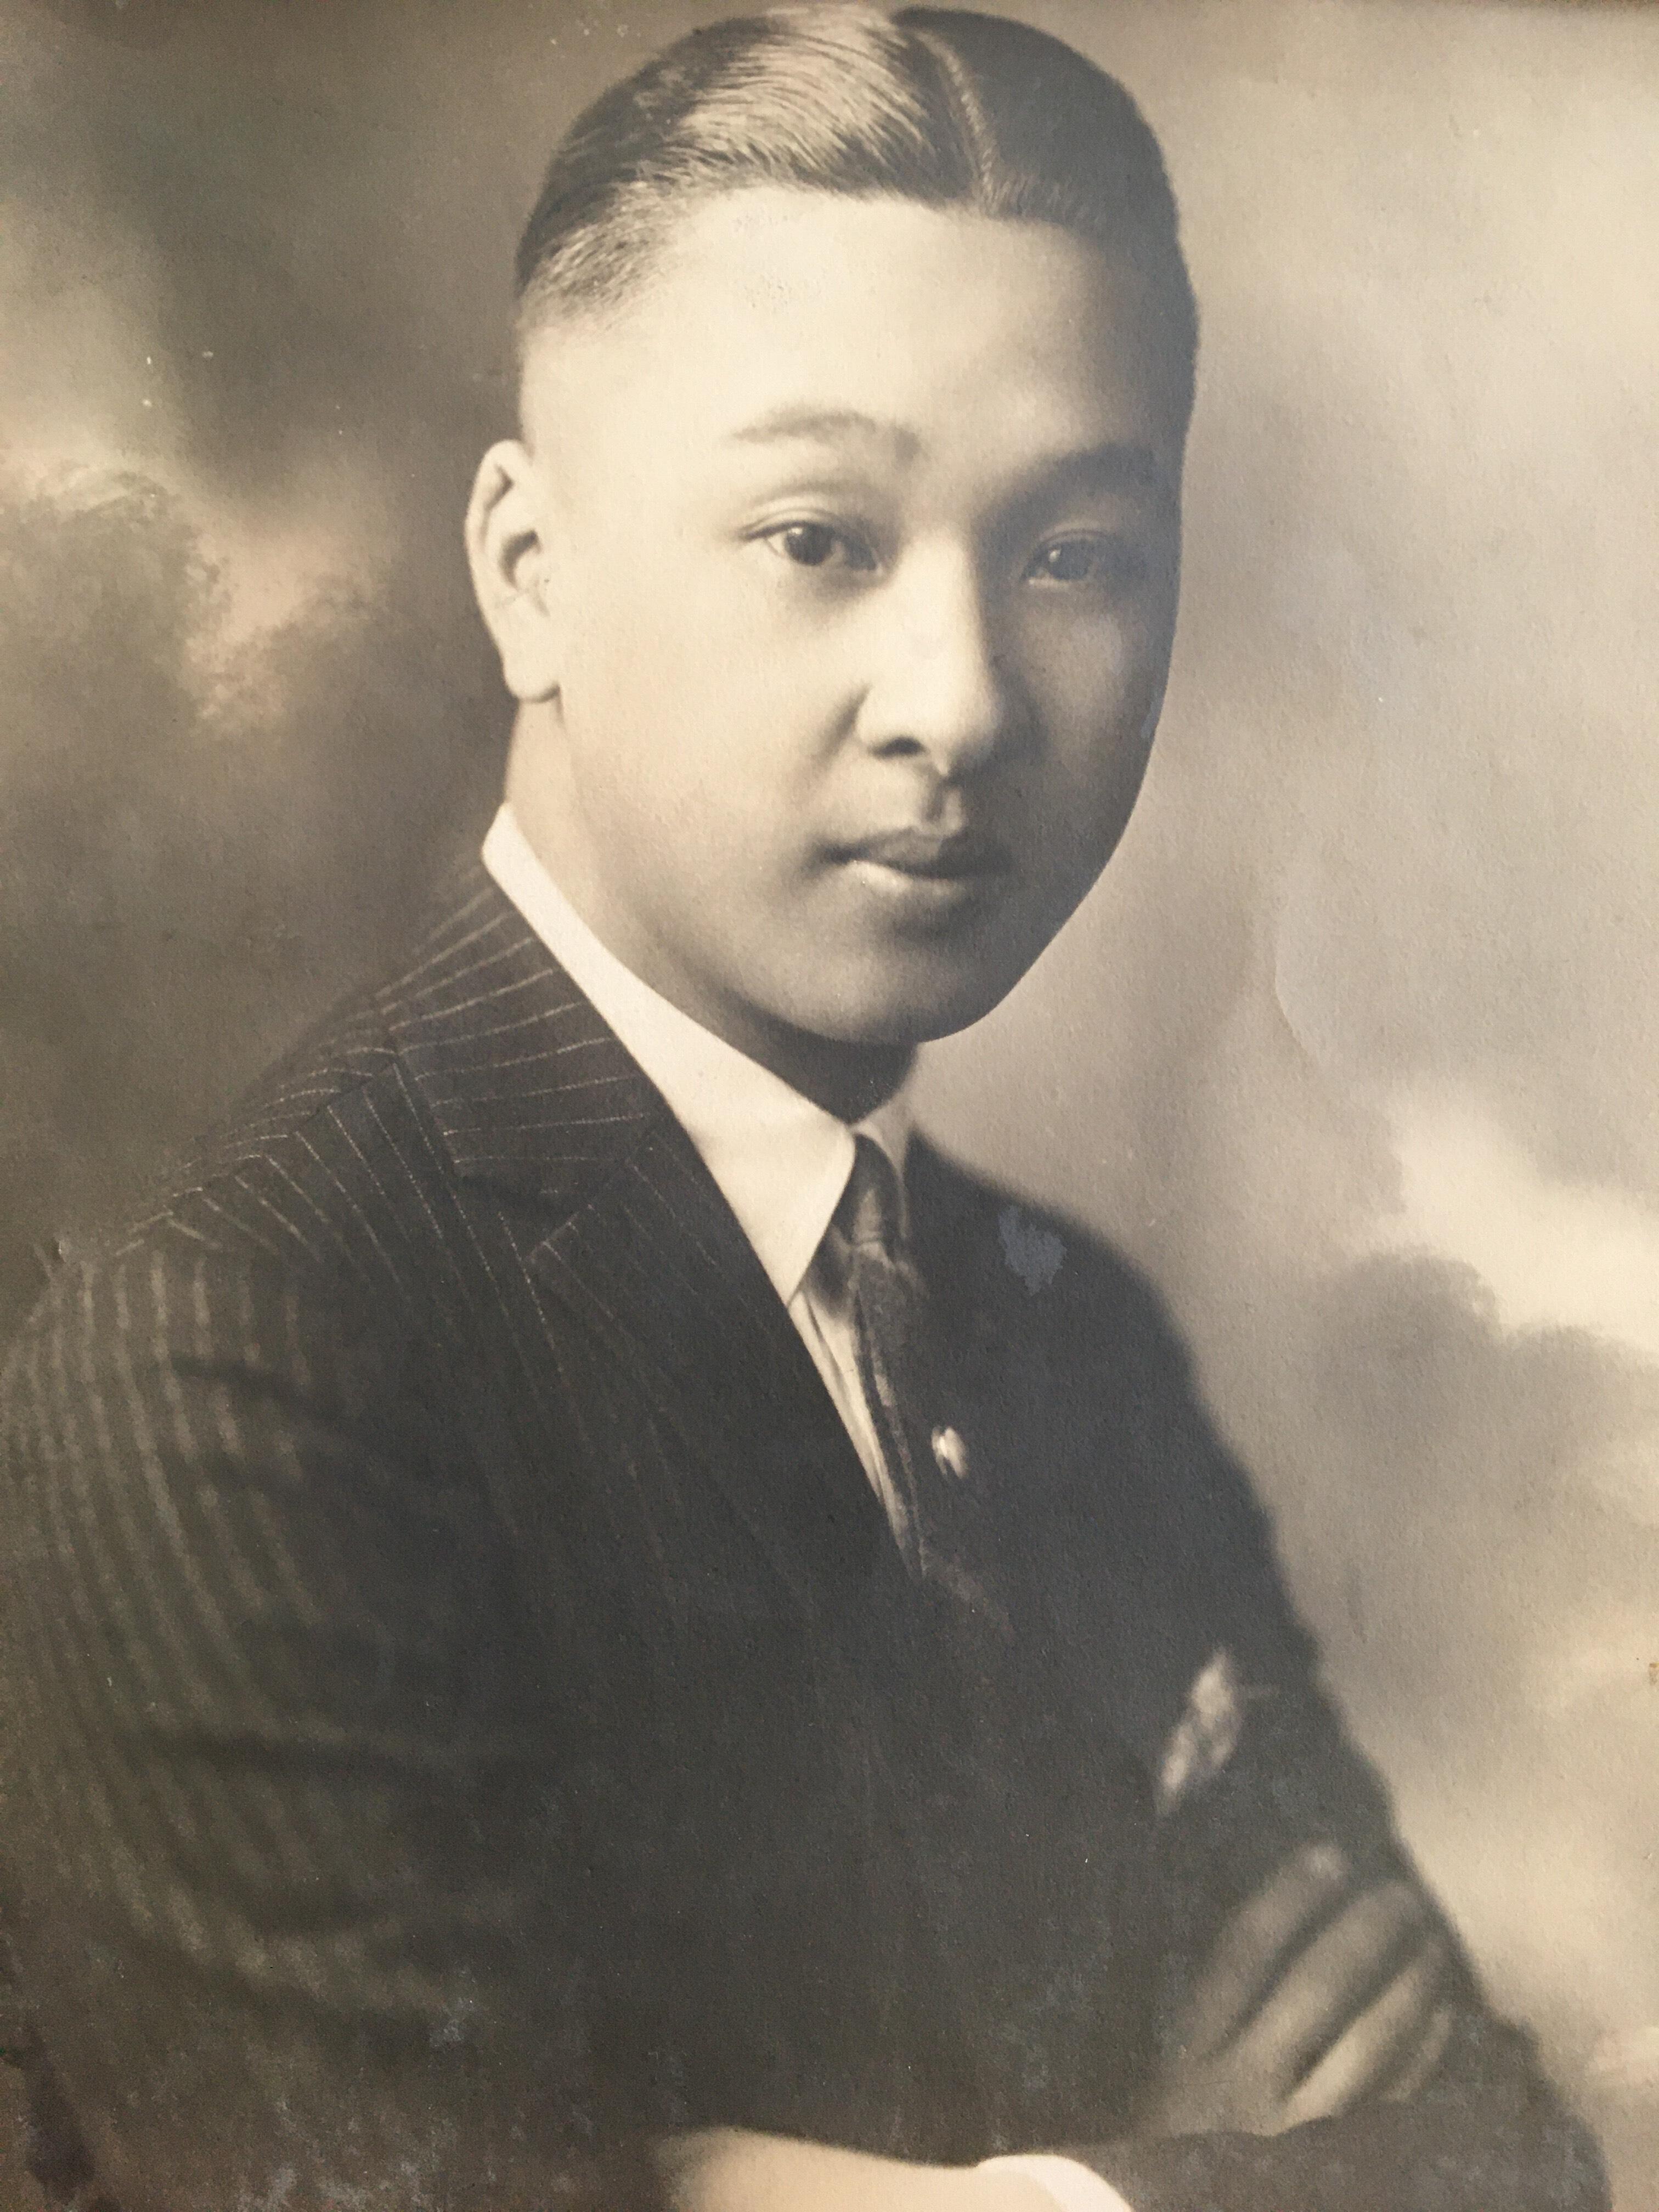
(962, 856)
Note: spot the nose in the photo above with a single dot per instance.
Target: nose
(943, 688)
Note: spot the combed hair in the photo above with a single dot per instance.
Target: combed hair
(932, 105)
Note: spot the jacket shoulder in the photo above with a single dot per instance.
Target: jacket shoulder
(319, 1179)
(354, 1047)
(1037, 1262)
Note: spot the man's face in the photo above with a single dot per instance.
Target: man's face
(860, 527)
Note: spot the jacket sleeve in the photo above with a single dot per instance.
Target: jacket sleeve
(1487, 2129)
(293, 1895)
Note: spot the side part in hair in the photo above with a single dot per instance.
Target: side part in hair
(935, 106)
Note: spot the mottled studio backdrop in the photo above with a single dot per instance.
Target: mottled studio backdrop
(1357, 1048)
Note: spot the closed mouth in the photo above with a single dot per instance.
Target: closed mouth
(964, 855)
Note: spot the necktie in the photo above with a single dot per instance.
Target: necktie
(904, 1373)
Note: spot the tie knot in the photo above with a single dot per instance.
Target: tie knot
(870, 1214)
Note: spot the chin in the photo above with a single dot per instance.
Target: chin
(900, 1006)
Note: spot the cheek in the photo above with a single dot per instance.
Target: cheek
(672, 640)
(1100, 705)
(1097, 694)
(691, 757)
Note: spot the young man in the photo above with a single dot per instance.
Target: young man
(579, 1634)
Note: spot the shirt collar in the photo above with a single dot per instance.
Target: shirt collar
(780, 1162)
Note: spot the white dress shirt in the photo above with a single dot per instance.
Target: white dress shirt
(782, 1163)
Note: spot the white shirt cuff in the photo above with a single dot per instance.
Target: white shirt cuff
(1072, 2187)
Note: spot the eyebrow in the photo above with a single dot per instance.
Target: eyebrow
(822, 425)
(1115, 466)
(1120, 465)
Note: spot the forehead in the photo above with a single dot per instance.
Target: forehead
(940, 325)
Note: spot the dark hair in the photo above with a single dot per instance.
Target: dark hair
(932, 105)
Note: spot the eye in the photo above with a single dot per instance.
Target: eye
(820, 545)
(1088, 558)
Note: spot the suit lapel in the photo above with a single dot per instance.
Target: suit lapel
(656, 1263)
(536, 1097)
(531, 1092)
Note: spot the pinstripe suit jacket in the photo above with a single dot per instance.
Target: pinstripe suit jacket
(464, 1712)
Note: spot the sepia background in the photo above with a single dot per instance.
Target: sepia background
(1357, 1048)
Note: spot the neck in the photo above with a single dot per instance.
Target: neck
(848, 1081)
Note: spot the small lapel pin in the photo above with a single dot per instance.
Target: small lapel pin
(951, 1454)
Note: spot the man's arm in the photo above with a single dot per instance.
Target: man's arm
(1327, 2046)
(1331, 2053)
(1312, 1999)
(1335, 2056)
(258, 1773)
(295, 1911)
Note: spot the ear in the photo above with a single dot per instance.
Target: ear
(507, 549)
